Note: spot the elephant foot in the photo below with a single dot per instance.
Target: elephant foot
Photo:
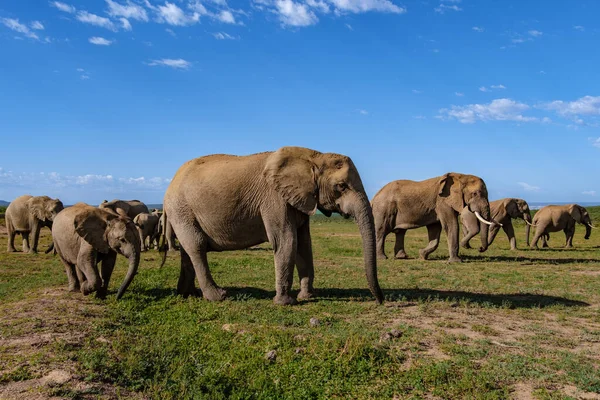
(306, 294)
(401, 255)
(513, 248)
(73, 288)
(11, 250)
(31, 251)
(381, 257)
(423, 254)
(482, 250)
(454, 260)
(214, 294)
(465, 245)
(284, 300)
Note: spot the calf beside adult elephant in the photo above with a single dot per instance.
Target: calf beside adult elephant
(148, 227)
(85, 236)
(127, 208)
(225, 202)
(560, 218)
(434, 203)
(502, 213)
(28, 215)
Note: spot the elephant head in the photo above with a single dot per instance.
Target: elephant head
(309, 180)
(518, 208)
(105, 232)
(459, 191)
(581, 215)
(44, 208)
(116, 206)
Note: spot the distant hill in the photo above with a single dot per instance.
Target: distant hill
(4, 203)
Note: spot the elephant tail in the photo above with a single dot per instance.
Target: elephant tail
(162, 239)
(50, 248)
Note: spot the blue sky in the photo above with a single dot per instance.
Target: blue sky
(103, 99)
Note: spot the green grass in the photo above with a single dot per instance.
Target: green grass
(495, 323)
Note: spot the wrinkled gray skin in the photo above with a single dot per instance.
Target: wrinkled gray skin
(127, 208)
(434, 203)
(165, 229)
(147, 226)
(225, 202)
(560, 218)
(28, 214)
(503, 211)
(85, 236)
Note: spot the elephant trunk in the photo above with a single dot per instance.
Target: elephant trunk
(134, 262)
(527, 218)
(484, 210)
(588, 231)
(364, 218)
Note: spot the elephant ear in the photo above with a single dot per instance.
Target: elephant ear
(293, 175)
(91, 226)
(451, 189)
(37, 207)
(512, 208)
(575, 212)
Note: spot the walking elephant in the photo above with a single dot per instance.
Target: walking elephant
(560, 218)
(85, 236)
(147, 226)
(502, 212)
(225, 202)
(127, 208)
(434, 203)
(29, 214)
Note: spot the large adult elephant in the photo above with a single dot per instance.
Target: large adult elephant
(225, 202)
(434, 203)
(29, 214)
(502, 211)
(84, 236)
(561, 218)
(127, 208)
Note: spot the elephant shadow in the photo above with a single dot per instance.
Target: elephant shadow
(516, 300)
(523, 259)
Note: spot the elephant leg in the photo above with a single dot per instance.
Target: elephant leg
(545, 238)
(399, 252)
(35, 233)
(450, 226)
(285, 247)
(569, 233)
(470, 232)
(494, 229)
(87, 263)
(382, 233)
(510, 233)
(11, 235)
(170, 236)
(26, 247)
(194, 243)
(71, 275)
(304, 262)
(433, 232)
(539, 232)
(187, 277)
(108, 265)
(142, 241)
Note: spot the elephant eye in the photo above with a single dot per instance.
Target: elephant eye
(123, 240)
(341, 187)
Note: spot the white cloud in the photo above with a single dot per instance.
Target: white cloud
(419, 117)
(129, 11)
(100, 41)
(497, 110)
(361, 6)
(415, 91)
(125, 24)
(518, 40)
(173, 63)
(226, 16)
(80, 70)
(596, 142)
(63, 7)
(321, 5)
(349, 27)
(459, 94)
(478, 29)
(362, 112)
(529, 188)
(484, 89)
(295, 14)
(579, 28)
(223, 36)
(84, 77)
(442, 8)
(173, 15)
(589, 192)
(96, 20)
(170, 32)
(37, 25)
(535, 33)
(498, 87)
(587, 105)
(16, 26)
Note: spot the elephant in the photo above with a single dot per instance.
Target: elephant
(29, 214)
(502, 211)
(556, 218)
(147, 226)
(127, 208)
(84, 236)
(227, 202)
(166, 230)
(434, 203)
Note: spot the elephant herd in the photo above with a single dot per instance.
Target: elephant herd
(225, 202)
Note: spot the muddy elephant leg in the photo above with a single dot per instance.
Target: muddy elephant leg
(304, 263)
(11, 236)
(86, 262)
(399, 252)
(108, 265)
(382, 233)
(433, 232)
(194, 243)
(35, 233)
(469, 234)
(508, 228)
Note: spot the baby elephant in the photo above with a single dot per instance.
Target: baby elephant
(85, 236)
(560, 218)
(147, 226)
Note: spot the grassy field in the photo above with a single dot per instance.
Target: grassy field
(522, 324)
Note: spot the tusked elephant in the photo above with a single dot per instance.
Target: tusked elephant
(84, 236)
(29, 214)
(226, 202)
(434, 203)
(147, 226)
(127, 208)
(502, 212)
(560, 218)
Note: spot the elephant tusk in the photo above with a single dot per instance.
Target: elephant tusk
(480, 218)
(591, 226)
(529, 223)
